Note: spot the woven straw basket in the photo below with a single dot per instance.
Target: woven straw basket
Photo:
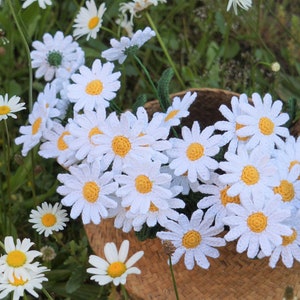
(231, 276)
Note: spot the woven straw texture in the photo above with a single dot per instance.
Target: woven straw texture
(231, 276)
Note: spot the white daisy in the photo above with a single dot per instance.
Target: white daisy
(42, 3)
(244, 4)
(48, 218)
(94, 87)
(115, 268)
(257, 224)
(89, 20)
(19, 285)
(194, 238)
(124, 22)
(17, 262)
(119, 50)
(251, 172)
(193, 153)
(142, 184)
(55, 54)
(8, 107)
(231, 126)
(263, 122)
(88, 191)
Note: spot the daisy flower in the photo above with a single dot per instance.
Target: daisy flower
(125, 23)
(17, 262)
(194, 238)
(115, 268)
(231, 126)
(48, 218)
(262, 122)
(42, 3)
(257, 224)
(89, 20)
(88, 191)
(244, 4)
(10, 106)
(120, 49)
(141, 184)
(251, 172)
(54, 54)
(193, 153)
(94, 87)
(19, 285)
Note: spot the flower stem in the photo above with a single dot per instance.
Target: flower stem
(124, 292)
(173, 278)
(47, 294)
(166, 52)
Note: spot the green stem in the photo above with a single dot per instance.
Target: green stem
(173, 278)
(124, 292)
(47, 294)
(166, 52)
(2, 245)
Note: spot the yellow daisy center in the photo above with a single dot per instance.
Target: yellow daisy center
(116, 269)
(95, 87)
(36, 126)
(289, 239)
(194, 151)
(237, 127)
(91, 191)
(171, 115)
(93, 22)
(250, 175)
(48, 220)
(93, 132)
(61, 144)
(17, 281)
(143, 184)
(153, 207)
(121, 145)
(16, 258)
(225, 199)
(257, 222)
(191, 239)
(4, 109)
(286, 190)
(293, 163)
(266, 126)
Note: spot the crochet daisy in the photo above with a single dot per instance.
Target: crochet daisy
(194, 238)
(17, 262)
(47, 218)
(244, 4)
(94, 87)
(263, 122)
(89, 20)
(193, 153)
(120, 49)
(8, 107)
(87, 190)
(257, 224)
(114, 268)
(42, 3)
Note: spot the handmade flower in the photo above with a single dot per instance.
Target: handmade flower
(89, 20)
(8, 107)
(42, 3)
(94, 87)
(244, 4)
(47, 218)
(115, 268)
(194, 238)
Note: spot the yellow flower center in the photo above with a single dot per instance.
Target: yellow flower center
(293, 163)
(93, 132)
(121, 145)
(171, 115)
(116, 269)
(191, 239)
(16, 258)
(286, 190)
(225, 199)
(91, 191)
(4, 109)
(257, 222)
(61, 144)
(95, 87)
(17, 281)
(48, 220)
(143, 184)
(194, 151)
(93, 22)
(266, 126)
(153, 207)
(250, 175)
(289, 239)
(237, 127)
(36, 126)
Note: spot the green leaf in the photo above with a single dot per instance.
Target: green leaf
(140, 101)
(76, 279)
(163, 89)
